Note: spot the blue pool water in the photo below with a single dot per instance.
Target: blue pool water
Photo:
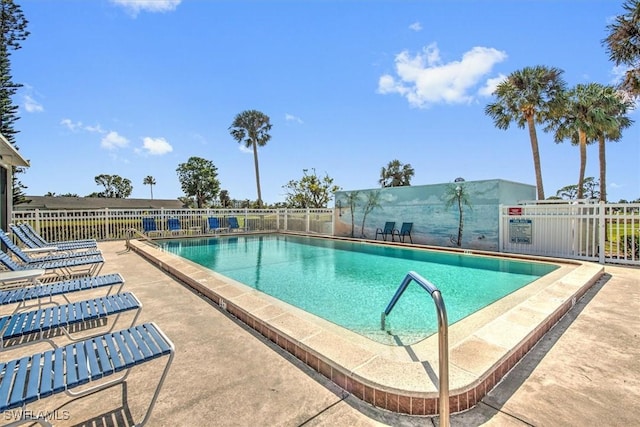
(351, 283)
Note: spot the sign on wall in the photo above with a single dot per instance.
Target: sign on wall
(520, 230)
(515, 210)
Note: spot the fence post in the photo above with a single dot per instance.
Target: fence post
(500, 228)
(602, 228)
(37, 222)
(307, 220)
(106, 223)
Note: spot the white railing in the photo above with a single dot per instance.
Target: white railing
(112, 224)
(605, 233)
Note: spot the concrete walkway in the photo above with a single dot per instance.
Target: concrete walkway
(586, 371)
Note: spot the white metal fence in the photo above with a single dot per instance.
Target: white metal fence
(606, 233)
(112, 224)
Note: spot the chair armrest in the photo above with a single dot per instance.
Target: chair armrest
(11, 276)
(46, 249)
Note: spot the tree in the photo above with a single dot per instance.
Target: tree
(199, 178)
(568, 192)
(614, 107)
(251, 128)
(150, 181)
(187, 202)
(311, 191)
(225, 200)
(457, 194)
(527, 97)
(623, 45)
(396, 174)
(590, 190)
(574, 121)
(13, 30)
(52, 194)
(114, 186)
(588, 113)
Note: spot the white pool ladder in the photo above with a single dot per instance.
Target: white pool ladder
(443, 337)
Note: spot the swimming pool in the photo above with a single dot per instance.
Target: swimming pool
(483, 347)
(351, 283)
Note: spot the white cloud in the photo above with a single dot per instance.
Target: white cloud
(69, 124)
(490, 85)
(31, 105)
(618, 73)
(77, 126)
(94, 129)
(156, 146)
(136, 6)
(291, 118)
(416, 26)
(424, 79)
(113, 140)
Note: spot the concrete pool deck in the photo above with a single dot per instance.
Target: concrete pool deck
(400, 378)
(584, 371)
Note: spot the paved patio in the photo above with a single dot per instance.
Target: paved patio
(585, 371)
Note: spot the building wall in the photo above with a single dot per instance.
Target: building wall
(426, 206)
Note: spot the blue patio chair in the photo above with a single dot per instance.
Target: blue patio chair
(149, 227)
(27, 327)
(50, 254)
(82, 368)
(41, 253)
(214, 226)
(39, 241)
(405, 231)
(233, 224)
(174, 227)
(386, 231)
(24, 286)
(61, 268)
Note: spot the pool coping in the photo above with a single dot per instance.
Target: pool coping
(398, 379)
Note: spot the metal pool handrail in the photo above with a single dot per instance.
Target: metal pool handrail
(443, 336)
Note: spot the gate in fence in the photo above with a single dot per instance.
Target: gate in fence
(586, 230)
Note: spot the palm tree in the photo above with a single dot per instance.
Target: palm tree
(527, 97)
(251, 128)
(150, 181)
(575, 122)
(623, 45)
(591, 112)
(614, 109)
(396, 174)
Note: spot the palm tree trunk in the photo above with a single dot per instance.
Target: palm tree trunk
(151, 186)
(582, 141)
(255, 161)
(603, 169)
(536, 156)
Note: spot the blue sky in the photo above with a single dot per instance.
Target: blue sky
(136, 87)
